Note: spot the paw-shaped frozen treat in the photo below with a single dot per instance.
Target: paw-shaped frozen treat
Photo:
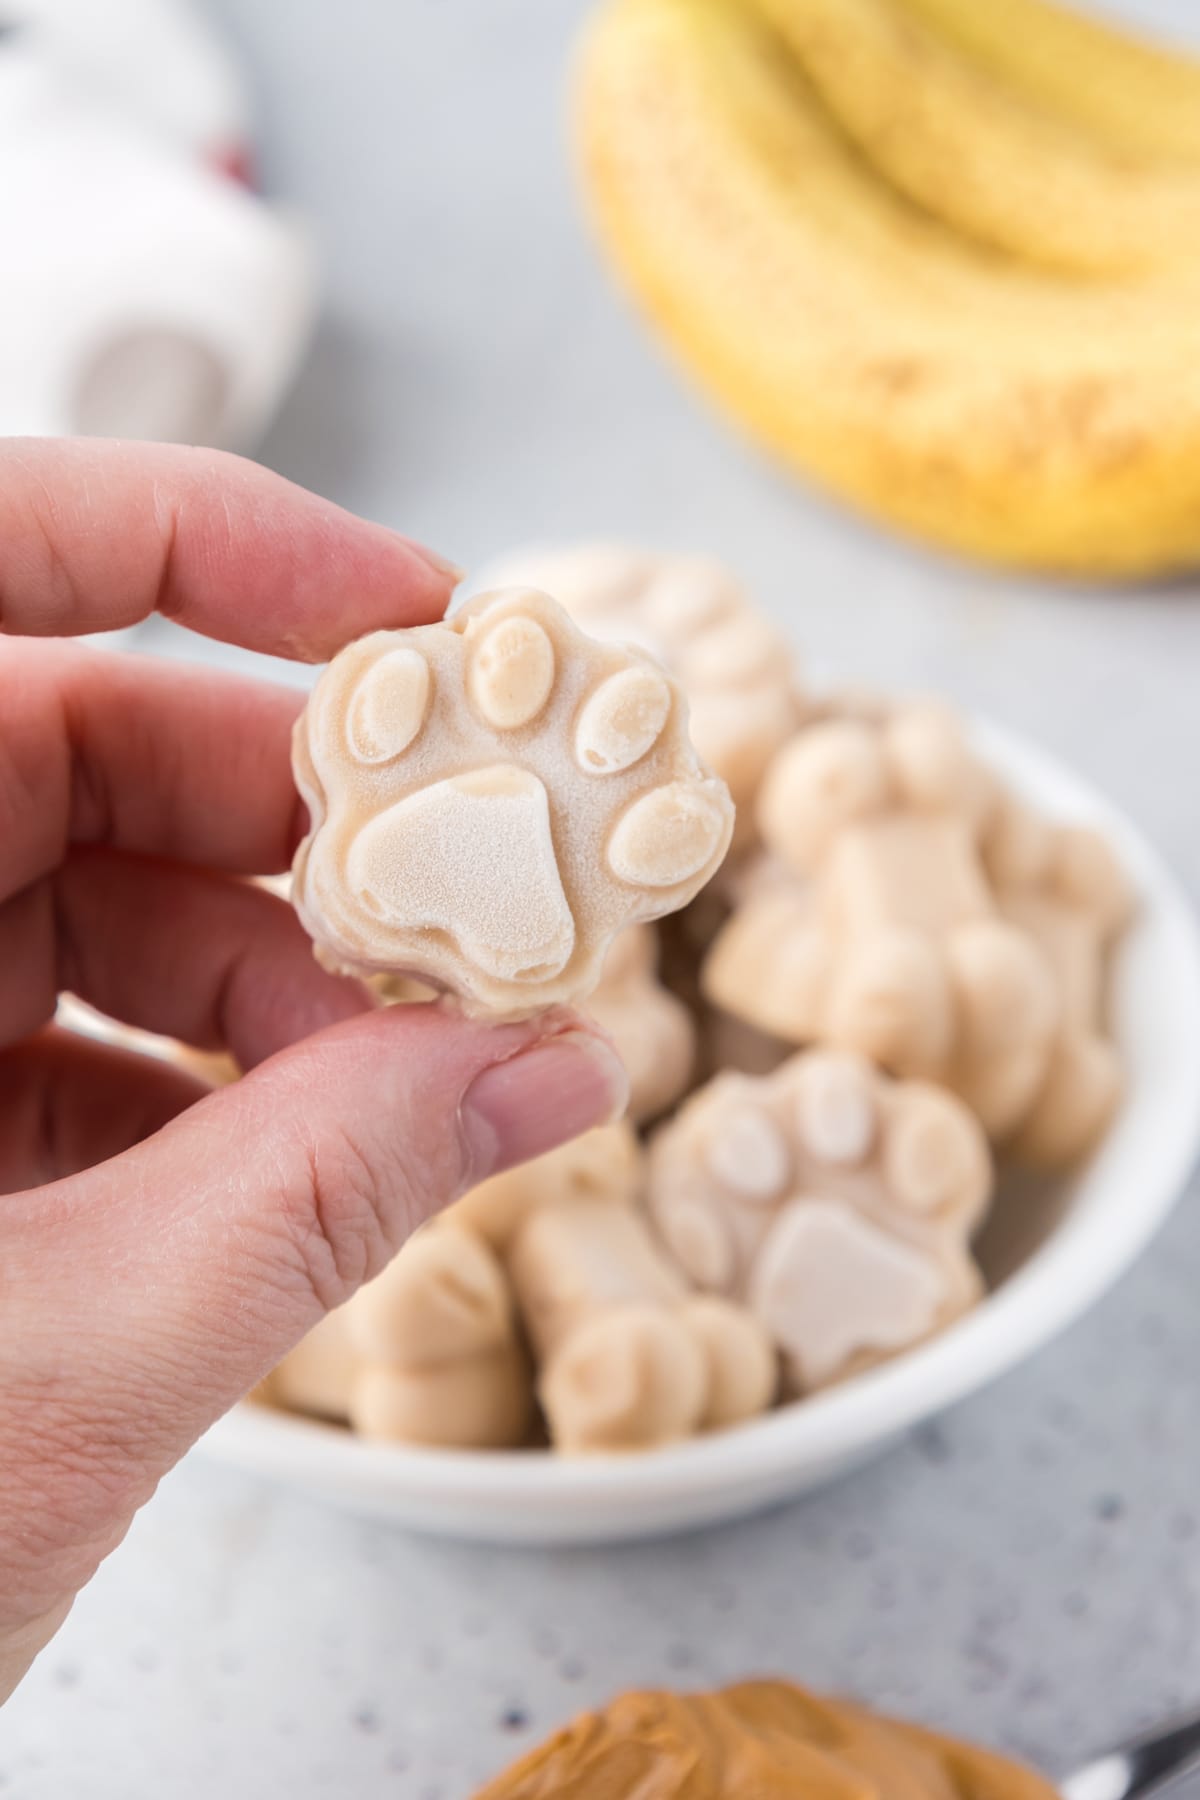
(898, 952)
(1073, 900)
(914, 759)
(628, 1356)
(493, 799)
(317, 1376)
(652, 1030)
(606, 1164)
(913, 908)
(836, 1203)
(427, 1353)
(737, 671)
(440, 1356)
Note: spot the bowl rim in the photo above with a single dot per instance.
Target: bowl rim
(1066, 1275)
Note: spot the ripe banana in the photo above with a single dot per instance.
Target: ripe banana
(989, 407)
(977, 153)
(1131, 95)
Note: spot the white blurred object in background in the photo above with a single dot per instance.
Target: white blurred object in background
(158, 60)
(145, 295)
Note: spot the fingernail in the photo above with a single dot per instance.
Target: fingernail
(540, 1099)
(441, 565)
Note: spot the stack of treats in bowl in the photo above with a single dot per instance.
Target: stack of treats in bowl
(851, 974)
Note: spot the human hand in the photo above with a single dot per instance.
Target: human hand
(161, 1247)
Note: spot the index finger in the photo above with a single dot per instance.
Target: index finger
(96, 535)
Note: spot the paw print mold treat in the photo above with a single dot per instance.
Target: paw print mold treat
(628, 1357)
(898, 953)
(913, 759)
(837, 1203)
(427, 1353)
(607, 1164)
(653, 1031)
(1073, 901)
(439, 1360)
(738, 671)
(916, 910)
(317, 1376)
(493, 799)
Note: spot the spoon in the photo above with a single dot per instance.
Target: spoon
(1140, 1766)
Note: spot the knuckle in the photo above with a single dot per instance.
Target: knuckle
(336, 1219)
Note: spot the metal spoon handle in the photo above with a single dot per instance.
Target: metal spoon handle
(1140, 1767)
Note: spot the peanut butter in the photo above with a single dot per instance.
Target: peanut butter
(760, 1740)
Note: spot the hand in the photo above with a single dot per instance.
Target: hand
(161, 1247)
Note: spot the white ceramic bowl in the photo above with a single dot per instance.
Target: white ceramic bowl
(1052, 1253)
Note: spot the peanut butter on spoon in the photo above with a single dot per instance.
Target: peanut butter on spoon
(760, 1740)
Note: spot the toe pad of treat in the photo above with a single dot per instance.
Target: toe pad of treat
(493, 799)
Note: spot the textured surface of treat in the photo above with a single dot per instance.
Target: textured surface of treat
(837, 1203)
(605, 1164)
(653, 1031)
(737, 670)
(765, 1739)
(627, 1356)
(493, 799)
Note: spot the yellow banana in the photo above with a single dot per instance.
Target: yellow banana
(1130, 94)
(988, 407)
(977, 153)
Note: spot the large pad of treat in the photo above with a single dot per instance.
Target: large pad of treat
(836, 1202)
(737, 670)
(493, 799)
(628, 1356)
(914, 910)
(769, 1740)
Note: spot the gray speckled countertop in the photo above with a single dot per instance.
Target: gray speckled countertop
(1029, 1569)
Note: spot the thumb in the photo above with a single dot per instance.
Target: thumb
(147, 1295)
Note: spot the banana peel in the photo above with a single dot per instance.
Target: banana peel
(971, 400)
(1131, 95)
(979, 154)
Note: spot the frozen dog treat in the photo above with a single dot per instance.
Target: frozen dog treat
(1073, 902)
(317, 1376)
(737, 671)
(846, 771)
(627, 1357)
(443, 1298)
(897, 952)
(836, 1202)
(427, 1353)
(481, 1404)
(492, 800)
(605, 1164)
(914, 909)
(742, 1368)
(652, 1029)
(439, 1356)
